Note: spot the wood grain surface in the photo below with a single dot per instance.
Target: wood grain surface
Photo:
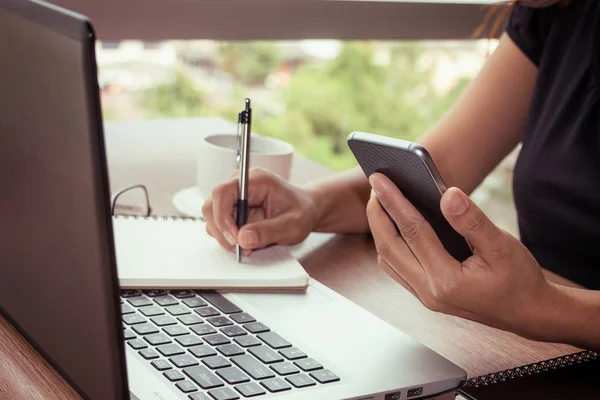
(161, 155)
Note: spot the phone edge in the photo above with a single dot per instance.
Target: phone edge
(406, 145)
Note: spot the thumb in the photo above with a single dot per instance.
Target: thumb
(280, 229)
(468, 220)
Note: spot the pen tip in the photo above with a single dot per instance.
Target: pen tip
(238, 250)
(247, 104)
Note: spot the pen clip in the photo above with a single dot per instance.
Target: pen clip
(239, 140)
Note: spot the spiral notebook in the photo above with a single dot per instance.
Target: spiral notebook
(574, 376)
(176, 252)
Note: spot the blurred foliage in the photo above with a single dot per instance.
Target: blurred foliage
(324, 101)
(250, 62)
(178, 98)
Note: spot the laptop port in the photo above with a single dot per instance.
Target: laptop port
(393, 396)
(414, 392)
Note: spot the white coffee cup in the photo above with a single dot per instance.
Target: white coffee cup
(217, 159)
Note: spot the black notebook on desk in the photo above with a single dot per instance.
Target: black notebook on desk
(575, 376)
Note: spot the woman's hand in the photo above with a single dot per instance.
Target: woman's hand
(279, 213)
(501, 285)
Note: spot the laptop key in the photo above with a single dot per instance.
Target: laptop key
(242, 318)
(165, 300)
(256, 327)
(186, 386)
(252, 367)
(194, 302)
(127, 334)
(190, 319)
(144, 329)
(276, 385)
(176, 330)
(230, 350)
(163, 320)
(274, 340)
(285, 368)
(232, 375)
(220, 321)
(148, 354)
(169, 350)
(247, 341)
(155, 292)
(216, 340)
(157, 339)
(183, 361)
(308, 364)
(188, 340)
(132, 319)
(202, 351)
(126, 309)
(216, 362)
(152, 311)
(300, 381)
(199, 396)
(203, 329)
(174, 375)
(130, 293)
(324, 376)
(182, 294)
(234, 330)
(265, 354)
(292, 353)
(137, 344)
(177, 310)
(161, 365)
(206, 312)
(139, 301)
(250, 389)
(223, 394)
(203, 377)
(217, 300)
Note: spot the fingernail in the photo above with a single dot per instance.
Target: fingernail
(249, 238)
(457, 204)
(229, 237)
(375, 185)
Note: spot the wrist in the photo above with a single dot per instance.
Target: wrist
(318, 200)
(565, 315)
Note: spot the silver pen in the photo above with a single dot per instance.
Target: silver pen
(245, 125)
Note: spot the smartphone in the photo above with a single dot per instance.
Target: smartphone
(410, 167)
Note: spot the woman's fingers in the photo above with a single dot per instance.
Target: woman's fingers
(392, 248)
(211, 227)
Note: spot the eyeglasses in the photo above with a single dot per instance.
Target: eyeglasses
(136, 204)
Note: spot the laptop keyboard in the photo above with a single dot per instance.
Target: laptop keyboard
(210, 349)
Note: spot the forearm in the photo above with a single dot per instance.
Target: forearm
(571, 316)
(341, 202)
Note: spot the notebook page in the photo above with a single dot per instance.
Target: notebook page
(179, 253)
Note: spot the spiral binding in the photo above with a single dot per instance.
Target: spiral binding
(530, 369)
(160, 217)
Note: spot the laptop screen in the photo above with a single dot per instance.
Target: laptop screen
(58, 281)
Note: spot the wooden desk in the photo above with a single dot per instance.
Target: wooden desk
(161, 154)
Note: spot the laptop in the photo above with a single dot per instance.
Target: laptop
(59, 286)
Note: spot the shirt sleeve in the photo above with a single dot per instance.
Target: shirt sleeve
(528, 28)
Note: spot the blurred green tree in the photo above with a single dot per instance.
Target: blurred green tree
(178, 98)
(353, 92)
(250, 62)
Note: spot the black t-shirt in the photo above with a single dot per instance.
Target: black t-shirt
(557, 175)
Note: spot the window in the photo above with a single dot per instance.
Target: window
(311, 93)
